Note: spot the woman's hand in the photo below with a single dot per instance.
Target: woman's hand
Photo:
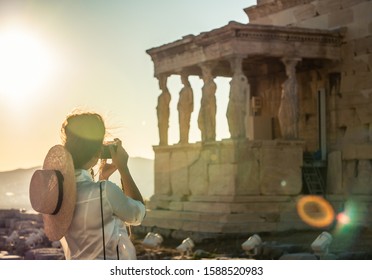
(119, 155)
(120, 158)
(106, 170)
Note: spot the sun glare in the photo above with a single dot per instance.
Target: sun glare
(26, 63)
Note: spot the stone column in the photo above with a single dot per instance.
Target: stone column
(288, 114)
(185, 107)
(239, 96)
(163, 110)
(208, 106)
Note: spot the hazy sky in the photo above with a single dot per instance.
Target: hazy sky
(59, 55)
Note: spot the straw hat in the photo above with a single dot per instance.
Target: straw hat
(53, 192)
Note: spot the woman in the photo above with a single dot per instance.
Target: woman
(101, 202)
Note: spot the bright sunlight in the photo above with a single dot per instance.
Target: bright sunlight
(27, 65)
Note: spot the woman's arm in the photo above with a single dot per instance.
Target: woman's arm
(120, 159)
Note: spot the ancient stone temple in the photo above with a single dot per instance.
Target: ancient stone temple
(299, 115)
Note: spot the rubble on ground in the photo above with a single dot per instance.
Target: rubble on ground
(22, 238)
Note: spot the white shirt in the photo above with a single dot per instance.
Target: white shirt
(84, 237)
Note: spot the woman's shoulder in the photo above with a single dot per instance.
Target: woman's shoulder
(113, 191)
(109, 185)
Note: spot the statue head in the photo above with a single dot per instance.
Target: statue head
(185, 79)
(163, 81)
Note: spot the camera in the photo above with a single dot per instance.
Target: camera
(105, 151)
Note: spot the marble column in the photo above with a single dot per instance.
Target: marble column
(208, 106)
(288, 114)
(163, 110)
(238, 100)
(185, 107)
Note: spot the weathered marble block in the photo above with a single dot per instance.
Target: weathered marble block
(248, 173)
(222, 179)
(162, 178)
(281, 170)
(179, 172)
(334, 173)
(198, 172)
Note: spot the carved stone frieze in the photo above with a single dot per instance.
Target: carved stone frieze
(292, 36)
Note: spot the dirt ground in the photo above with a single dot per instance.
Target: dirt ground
(349, 242)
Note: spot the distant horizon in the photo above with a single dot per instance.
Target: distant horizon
(39, 166)
(14, 184)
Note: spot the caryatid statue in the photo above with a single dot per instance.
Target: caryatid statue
(185, 107)
(208, 106)
(288, 113)
(237, 106)
(163, 110)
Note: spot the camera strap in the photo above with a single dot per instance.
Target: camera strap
(103, 227)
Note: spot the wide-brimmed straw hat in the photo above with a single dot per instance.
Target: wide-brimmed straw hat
(53, 192)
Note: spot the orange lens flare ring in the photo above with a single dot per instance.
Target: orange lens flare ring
(315, 211)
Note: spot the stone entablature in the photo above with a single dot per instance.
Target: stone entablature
(292, 34)
(247, 40)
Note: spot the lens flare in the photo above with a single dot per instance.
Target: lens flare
(343, 218)
(315, 211)
(352, 216)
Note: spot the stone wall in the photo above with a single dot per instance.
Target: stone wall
(210, 187)
(349, 84)
(309, 82)
(229, 167)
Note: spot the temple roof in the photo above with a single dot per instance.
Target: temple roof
(255, 43)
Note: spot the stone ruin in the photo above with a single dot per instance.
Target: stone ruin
(300, 99)
(22, 238)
